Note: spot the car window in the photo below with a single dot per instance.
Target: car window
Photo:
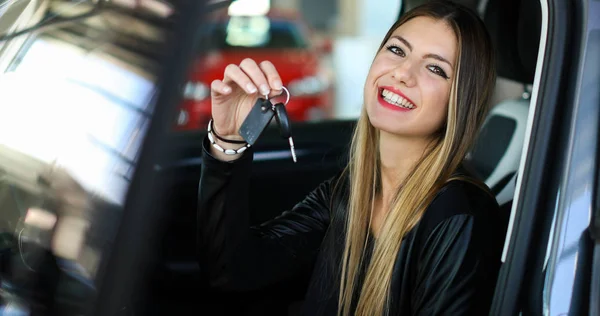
(76, 99)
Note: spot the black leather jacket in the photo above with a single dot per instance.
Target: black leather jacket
(447, 264)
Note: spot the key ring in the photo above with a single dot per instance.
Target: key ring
(287, 92)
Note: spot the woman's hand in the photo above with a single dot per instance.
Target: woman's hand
(233, 97)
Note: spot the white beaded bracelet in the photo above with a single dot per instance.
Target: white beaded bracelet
(221, 149)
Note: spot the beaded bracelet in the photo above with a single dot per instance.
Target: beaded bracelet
(221, 149)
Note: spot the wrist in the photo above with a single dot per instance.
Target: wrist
(221, 155)
(223, 149)
(226, 138)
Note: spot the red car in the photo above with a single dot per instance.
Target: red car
(280, 38)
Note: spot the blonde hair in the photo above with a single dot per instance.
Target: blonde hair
(468, 105)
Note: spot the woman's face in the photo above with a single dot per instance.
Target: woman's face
(408, 86)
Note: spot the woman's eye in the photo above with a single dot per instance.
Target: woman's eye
(396, 50)
(438, 71)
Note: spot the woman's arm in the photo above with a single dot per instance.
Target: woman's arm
(239, 257)
(459, 260)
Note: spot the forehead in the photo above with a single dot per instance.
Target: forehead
(429, 35)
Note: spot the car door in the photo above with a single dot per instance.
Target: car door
(77, 88)
(551, 253)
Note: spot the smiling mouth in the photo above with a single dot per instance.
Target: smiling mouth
(396, 100)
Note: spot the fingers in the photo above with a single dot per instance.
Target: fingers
(250, 67)
(219, 87)
(234, 74)
(272, 76)
(248, 76)
(252, 78)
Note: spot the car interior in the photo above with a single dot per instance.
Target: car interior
(278, 183)
(176, 283)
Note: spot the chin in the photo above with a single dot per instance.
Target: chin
(385, 124)
(380, 120)
(391, 126)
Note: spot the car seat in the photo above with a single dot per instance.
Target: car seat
(497, 152)
(514, 27)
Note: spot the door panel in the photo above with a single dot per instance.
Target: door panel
(549, 254)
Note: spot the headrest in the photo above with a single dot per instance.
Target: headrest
(515, 27)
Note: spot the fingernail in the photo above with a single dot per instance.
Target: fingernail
(278, 85)
(264, 89)
(251, 88)
(226, 89)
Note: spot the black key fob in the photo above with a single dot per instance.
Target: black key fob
(283, 120)
(257, 120)
(285, 127)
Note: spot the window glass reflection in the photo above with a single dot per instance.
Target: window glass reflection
(91, 109)
(75, 104)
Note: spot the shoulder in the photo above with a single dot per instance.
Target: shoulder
(458, 202)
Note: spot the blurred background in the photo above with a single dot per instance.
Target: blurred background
(322, 50)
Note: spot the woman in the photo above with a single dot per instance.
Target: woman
(401, 231)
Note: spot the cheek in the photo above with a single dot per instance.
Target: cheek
(375, 72)
(380, 66)
(436, 94)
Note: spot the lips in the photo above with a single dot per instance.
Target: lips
(394, 99)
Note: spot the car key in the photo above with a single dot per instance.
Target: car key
(284, 126)
(257, 120)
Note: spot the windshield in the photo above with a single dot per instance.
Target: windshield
(254, 32)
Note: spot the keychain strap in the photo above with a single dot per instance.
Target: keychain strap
(221, 149)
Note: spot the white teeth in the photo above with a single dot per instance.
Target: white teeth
(396, 99)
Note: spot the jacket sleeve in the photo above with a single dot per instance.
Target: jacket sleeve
(239, 257)
(455, 274)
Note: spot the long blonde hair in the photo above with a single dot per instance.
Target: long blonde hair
(469, 97)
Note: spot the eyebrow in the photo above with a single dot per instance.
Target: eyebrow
(434, 56)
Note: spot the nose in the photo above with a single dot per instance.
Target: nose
(405, 73)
